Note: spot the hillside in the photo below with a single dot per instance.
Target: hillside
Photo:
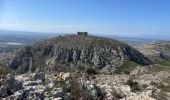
(158, 51)
(73, 51)
(87, 67)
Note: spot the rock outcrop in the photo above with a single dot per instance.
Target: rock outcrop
(12, 85)
(39, 76)
(77, 50)
(103, 87)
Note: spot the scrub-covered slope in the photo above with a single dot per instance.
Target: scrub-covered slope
(76, 50)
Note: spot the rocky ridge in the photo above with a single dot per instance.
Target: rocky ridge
(74, 50)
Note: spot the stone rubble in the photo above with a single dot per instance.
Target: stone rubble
(24, 87)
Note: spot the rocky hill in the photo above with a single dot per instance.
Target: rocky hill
(75, 50)
(71, 68)
(157, 51)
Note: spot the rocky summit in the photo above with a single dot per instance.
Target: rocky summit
(75, 50)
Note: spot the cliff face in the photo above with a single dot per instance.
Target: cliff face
(76, 50)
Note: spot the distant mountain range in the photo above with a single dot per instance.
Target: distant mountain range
(26, 38)
(25, 35)
(9, 40)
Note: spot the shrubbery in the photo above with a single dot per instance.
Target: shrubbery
(116, 95)
(4, 69)
(126, 68)
(90, 70)
(133, 85)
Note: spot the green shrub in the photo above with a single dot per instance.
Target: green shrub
(80, 68)
(4, 69)
(165, 62)
(160, 96)
(28, 51)
(33, 68)
(76, 90)
(144, 86)
(115, 94)
(133, 85)
(153, 83)
(161, 86)
(126, 68)
(90, 70)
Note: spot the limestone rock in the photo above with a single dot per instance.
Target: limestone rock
(3, 92)
(76, 50)
(32, 83)
(57, 92)
(22, 78)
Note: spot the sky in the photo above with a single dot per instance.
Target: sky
(112, 17)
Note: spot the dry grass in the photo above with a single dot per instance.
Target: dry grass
(78, 92)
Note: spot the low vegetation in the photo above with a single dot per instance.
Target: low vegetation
(91, 71)
(158, 67)
(103, 41)
(160, 96)
(4, 69)
(126, 67)
(161, 85)
(133, 85)
(165, 62)
(77, 90)
(116, 95)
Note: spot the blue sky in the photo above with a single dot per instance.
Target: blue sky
(117, 17)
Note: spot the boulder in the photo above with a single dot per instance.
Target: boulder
(22, 78)
(32, 83)
(16, 96)
(36, 95)
(57, 92)
(66, 76)
(12, 85)
(50, 85)
(3, 92)
(94, 92)
(57, 98)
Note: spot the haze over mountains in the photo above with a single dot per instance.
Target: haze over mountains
(10, 40)
(15, 39)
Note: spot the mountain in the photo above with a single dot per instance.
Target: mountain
(157, 51)
(72, 51)
(82, 66)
